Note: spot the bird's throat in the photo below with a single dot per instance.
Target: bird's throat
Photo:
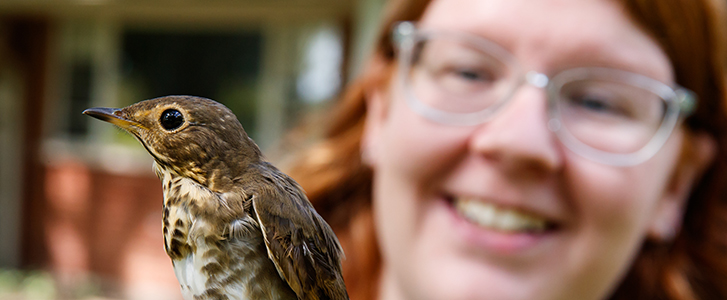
(184, 199)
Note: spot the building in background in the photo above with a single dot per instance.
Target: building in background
(78, 198)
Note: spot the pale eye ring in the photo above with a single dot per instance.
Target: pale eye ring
(171, 119)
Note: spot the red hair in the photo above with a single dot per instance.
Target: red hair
(693, 266)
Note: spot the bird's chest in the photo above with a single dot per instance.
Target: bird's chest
(213, 259)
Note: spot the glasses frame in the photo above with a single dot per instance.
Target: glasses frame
(679, 102)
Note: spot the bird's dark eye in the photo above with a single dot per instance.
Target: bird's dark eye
(171, 119)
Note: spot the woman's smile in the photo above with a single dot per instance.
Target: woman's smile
(499, 230)
(508, 220)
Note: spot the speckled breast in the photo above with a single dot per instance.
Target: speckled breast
(212, 261)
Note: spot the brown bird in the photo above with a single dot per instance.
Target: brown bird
(234, 226)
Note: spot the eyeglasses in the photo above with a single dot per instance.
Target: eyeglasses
(607, 115)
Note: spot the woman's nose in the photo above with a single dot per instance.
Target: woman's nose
(517, 138)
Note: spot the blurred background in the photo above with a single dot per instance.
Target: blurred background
(80, 208)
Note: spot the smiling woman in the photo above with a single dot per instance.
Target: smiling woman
(532, 150)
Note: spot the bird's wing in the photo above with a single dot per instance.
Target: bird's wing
(300, 243)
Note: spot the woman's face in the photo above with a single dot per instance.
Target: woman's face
(428, 176)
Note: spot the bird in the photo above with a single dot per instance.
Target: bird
(234, 226)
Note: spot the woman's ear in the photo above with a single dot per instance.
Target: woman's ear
(699, 154)
(375, 116)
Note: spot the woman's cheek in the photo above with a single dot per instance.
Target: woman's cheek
(615, 203)
(414, 145)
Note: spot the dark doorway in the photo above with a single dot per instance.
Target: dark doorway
(221, 66)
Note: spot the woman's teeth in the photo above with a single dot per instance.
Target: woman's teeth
(498, 218)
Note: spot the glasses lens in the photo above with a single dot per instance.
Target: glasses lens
(453, 75)
(609, 114)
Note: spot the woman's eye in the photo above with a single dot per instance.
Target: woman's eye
(472, 75)
(594, 104)
(468, 74)
(171, 119)
(604, 106)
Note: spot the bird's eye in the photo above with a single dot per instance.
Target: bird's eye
(171, 119)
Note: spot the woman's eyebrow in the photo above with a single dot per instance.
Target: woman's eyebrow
(627, 57)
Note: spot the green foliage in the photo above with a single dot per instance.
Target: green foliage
(32, 285)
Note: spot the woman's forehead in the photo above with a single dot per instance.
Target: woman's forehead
(550, 35)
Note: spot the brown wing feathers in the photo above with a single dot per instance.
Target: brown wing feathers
(301, 245)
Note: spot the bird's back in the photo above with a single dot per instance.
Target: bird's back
(300, 243)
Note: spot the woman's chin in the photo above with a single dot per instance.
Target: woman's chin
(461, 279)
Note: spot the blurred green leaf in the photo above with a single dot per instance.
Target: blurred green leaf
(9, 281)
(39, 286)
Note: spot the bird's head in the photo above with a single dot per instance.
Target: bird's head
(194, 137)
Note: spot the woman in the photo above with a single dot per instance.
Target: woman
(532, 150)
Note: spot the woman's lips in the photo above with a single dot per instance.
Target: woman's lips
(502, 230)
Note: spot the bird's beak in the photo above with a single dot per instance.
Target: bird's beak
(112, 115)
